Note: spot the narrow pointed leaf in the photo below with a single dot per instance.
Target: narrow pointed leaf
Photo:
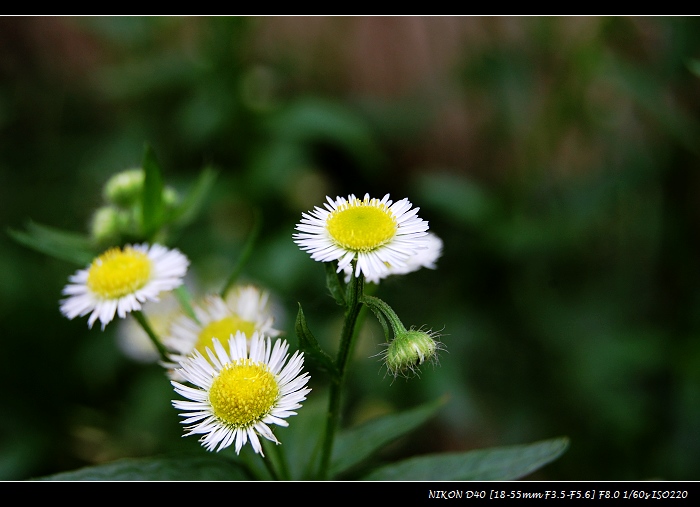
(357, 444)
(188, 468)
(152, 207)
(493, 464)
(245, 255)
(312, 350)
(335, 285)
(67, 246)
(193, 202)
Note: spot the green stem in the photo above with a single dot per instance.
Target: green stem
(348, 334)
(245, 254)
(141, 319)
(377, 304)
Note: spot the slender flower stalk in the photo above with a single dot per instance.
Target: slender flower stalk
(143, 322)
(410, 348)
(347, 337)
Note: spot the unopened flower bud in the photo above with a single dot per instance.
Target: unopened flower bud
(408, 350)
(124, 189)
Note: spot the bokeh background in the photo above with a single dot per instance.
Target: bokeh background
(557, 158)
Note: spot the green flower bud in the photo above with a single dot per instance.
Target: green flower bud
(409, 349)
(124, 189)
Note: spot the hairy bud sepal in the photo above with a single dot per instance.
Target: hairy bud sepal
(409, 350)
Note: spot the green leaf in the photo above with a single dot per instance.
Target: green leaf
(301, 441)
(153, 207)
(494, 464)
(173, 468)
(245, 255)
(67, 246)
(335, 285)
(193, 202)
(357, 444)
(312, 350)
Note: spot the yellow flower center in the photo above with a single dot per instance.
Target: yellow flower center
(117, 273)
(361, 226)
(222, 330)
(243, 393)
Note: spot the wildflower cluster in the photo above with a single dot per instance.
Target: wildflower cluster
(219, 354)
(233, 372)
(217, 351)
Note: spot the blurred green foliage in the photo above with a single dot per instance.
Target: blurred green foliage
(557, 158)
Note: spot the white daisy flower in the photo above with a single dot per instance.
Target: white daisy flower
(424, 258)
(121, 280)
(245, 309)
(374, 233)
(241, 391)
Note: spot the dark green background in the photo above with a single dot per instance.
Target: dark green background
(556, 157)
